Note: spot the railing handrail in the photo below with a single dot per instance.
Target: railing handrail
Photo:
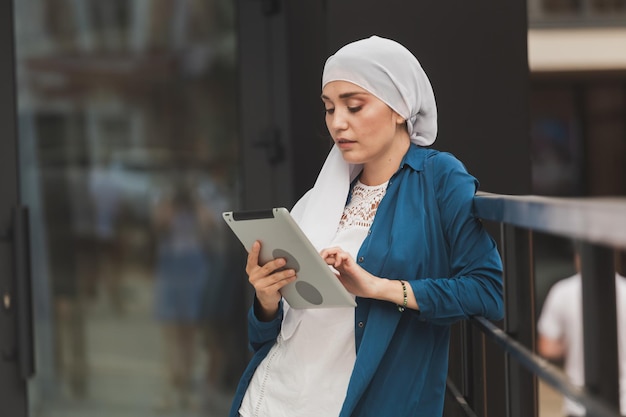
(543, 369)
(600, 220)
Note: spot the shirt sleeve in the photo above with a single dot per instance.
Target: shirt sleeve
(474, 287)
(262, 332)
(549, 324)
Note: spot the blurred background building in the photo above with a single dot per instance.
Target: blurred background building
(134, 124)
(577, 61)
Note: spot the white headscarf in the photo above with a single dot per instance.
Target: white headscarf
(390, 72)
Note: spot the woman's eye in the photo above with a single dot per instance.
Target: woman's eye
(354, 109)
(329, 111)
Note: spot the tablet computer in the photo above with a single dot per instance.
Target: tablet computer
(316, 285)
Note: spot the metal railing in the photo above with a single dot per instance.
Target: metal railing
(600, 225)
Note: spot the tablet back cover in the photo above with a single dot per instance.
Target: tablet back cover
(316, 285)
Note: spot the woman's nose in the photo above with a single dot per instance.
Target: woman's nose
(338, 121)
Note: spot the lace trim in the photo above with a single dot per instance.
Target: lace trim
(362, 208)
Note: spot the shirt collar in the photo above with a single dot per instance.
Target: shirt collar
(415, 157)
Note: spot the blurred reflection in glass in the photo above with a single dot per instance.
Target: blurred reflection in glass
(183, 228)
(103, 247)
(121, 103)
(68, 314)
(219, 334)
(560, 330)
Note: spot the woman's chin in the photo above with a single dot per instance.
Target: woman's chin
(351, 157)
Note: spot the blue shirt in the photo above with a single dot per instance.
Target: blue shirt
(425, 233)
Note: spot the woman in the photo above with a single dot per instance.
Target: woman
(395, 220)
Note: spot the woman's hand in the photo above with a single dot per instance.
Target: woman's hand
(356, 279)
(363, 284)
(267, 281)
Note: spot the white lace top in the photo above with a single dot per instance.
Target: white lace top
(306, 372)
(362, 208)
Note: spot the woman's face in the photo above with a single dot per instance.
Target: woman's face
(363, 127)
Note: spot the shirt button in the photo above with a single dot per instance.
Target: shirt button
(361, 324)
(360, 259)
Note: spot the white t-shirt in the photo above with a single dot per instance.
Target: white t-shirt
(307, 371)
(561, 319)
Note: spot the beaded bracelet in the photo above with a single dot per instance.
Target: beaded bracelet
(402, 307)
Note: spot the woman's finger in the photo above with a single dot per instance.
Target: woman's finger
(330, 251)
(253, 257)
(253, 266)
(341, 258)
(270, 274)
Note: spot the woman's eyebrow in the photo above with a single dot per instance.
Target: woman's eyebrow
(345, 95)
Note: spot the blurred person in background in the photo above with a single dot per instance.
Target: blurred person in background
(106, 197)
(560, 330)
(218, 330)
(61, 191)
(183, 227)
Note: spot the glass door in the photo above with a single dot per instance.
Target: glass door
(128, 156)
(16, 348)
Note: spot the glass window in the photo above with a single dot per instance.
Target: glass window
(129, 154)
(556, 142)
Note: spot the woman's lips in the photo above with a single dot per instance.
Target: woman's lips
(344, 143)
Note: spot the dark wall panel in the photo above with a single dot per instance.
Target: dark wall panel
(264, 107)
(307, 48)
(475, 55)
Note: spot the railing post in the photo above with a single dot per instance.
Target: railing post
(519, 321)
(461, 385)
(600, 323)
